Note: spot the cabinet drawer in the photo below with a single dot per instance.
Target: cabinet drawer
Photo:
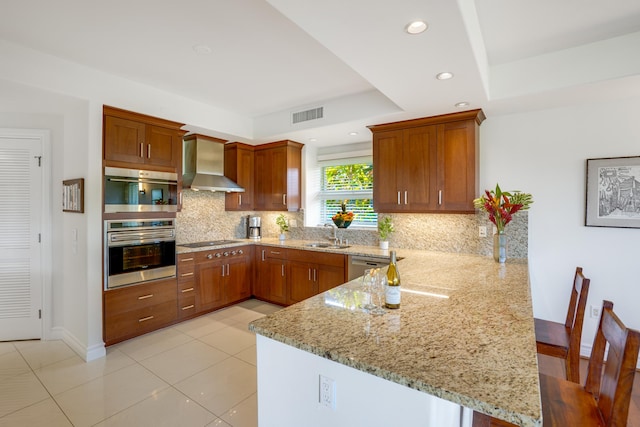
(317, 257)
(186, 288)
(185, 274)
(140, 296)
(274, 253)
(186, 305)
(140, 321)
(184, 260)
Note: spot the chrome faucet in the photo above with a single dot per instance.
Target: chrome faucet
(335, 233)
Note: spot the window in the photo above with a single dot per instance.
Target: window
(351, 182)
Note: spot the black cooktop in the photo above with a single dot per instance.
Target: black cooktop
(209, 243)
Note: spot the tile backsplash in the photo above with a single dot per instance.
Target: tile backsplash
(203, 218)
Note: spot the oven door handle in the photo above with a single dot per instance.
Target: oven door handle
(142, 180)
(141, 236)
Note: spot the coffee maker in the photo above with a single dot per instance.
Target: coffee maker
(253, 227)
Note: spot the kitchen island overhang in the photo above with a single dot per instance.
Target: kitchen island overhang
(464, 334)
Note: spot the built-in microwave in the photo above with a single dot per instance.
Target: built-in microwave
(134, 190)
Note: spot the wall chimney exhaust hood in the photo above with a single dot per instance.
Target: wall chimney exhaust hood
(204, 165)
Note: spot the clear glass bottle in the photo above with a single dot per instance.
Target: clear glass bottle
(392, 294)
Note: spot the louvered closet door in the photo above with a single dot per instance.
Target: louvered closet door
(20, 253)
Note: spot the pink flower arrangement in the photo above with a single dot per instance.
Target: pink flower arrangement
(502, 205)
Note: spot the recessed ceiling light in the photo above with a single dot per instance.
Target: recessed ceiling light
(313, 139)
(445, 75)
(416, 27)
(461, 104)
(353, 133)
(202, 49)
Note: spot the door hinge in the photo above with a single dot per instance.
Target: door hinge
(39, 160)
(39, 314)
(39, 238)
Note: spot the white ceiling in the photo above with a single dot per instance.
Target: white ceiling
(269, 58)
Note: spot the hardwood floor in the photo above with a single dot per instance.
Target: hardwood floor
(555, 366)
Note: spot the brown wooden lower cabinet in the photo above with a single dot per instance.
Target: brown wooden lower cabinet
(287, 276)
(222, 277)
(308, 278)
(136, 310)
(270, 281)
(209, 280)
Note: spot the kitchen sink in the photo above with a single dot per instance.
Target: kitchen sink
(209, 243)
(318, 245)
(326, 245)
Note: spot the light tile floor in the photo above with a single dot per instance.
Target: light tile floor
(201, 372)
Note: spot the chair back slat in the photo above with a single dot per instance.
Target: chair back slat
(576, 290)
(611, 382)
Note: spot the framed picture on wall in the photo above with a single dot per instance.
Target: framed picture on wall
(613, 192)
(73, 195)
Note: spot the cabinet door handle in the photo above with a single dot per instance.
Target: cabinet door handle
(188, 307)
(228, 271)
(145, 296)
(186, 259)
(186, 290)
(439, 197)
(405, 197)
(284, 199)
(186, 274)
(149, 151)
(315, 275)
(180, 197)
(142, 150)
(275, 253)
(309, 274)
(282, 269)
(263, 252)
(239, 199)
(398, 197)
(144, 319)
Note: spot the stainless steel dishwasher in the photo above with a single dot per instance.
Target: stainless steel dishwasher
(358, 264)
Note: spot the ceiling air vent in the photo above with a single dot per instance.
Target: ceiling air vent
(305, 116)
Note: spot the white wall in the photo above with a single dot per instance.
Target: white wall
(544, 153)
(42, 91)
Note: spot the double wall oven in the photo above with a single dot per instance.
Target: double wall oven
(138, 250)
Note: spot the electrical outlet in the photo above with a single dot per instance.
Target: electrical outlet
(293, 223)
(482, 231)
(594, 311)
(327, 392)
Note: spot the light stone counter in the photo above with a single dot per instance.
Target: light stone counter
(464, 332)
(295, 244)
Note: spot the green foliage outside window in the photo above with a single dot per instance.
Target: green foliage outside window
(352, 182)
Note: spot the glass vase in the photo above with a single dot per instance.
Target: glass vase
(500, 247)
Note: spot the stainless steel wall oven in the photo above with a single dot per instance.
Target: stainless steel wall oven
(138, 250)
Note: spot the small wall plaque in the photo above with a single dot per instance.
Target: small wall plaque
(73, 195)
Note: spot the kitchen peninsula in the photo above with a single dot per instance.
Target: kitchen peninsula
(462, 340)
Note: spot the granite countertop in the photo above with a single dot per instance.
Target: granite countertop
(464, 332)
(294, 244)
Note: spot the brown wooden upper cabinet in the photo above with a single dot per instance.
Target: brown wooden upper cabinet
(238, 167)
(428, 164)
(277, 176)
(136, 141)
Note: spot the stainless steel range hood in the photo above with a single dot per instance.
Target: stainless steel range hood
(204, 165)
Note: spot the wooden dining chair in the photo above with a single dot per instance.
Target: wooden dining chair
(604, 399)
(563, 340)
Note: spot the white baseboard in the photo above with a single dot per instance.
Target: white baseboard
(87, 353)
